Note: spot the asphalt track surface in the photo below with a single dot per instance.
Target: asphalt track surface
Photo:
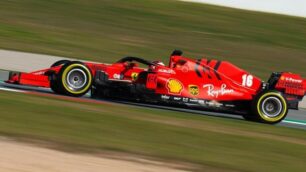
(295, 118)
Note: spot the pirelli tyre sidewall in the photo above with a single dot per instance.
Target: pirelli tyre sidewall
(270, 107)
(75, 79)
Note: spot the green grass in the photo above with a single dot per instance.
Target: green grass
(211, 143)
(105, 30)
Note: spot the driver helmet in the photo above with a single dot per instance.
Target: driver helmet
(158, 63)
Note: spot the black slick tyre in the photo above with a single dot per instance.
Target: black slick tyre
(74, 79)
(269, 107)
(60, 62)
(53, 81)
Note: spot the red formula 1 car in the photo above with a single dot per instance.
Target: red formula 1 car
(211, 84)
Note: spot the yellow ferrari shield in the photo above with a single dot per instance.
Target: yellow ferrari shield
(134, 76)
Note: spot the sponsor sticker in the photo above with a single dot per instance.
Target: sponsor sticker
(116, 76)
(134, 76)
(193, 90)
(174, 86)
(214, 104)
(169, 71)
(193, 100)
(282, 78)
(289, 79)
(211, 91)
(39, 73)
(177, 98)
(165, 97)
(202, 102)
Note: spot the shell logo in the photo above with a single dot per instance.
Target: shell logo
(174, 86)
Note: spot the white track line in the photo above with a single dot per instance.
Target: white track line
(284, 121)
(12, 90)
(294, 122)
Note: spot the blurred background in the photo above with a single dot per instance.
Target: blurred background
(106, 30)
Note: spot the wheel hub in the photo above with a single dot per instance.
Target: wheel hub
(76, 79)
(271, 107)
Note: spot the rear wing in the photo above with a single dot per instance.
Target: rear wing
(292, 84)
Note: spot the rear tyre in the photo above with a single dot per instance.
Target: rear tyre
(73, 79)
(269, 107)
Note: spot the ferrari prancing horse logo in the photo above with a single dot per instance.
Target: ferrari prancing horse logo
(193, 89)
(134, 76)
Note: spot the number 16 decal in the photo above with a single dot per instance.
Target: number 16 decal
(247, 80)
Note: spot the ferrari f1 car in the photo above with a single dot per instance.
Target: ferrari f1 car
(204, 83)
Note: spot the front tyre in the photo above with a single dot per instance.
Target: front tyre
(60, 62)
(270, 107)
(74, 79)
(54, 84)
